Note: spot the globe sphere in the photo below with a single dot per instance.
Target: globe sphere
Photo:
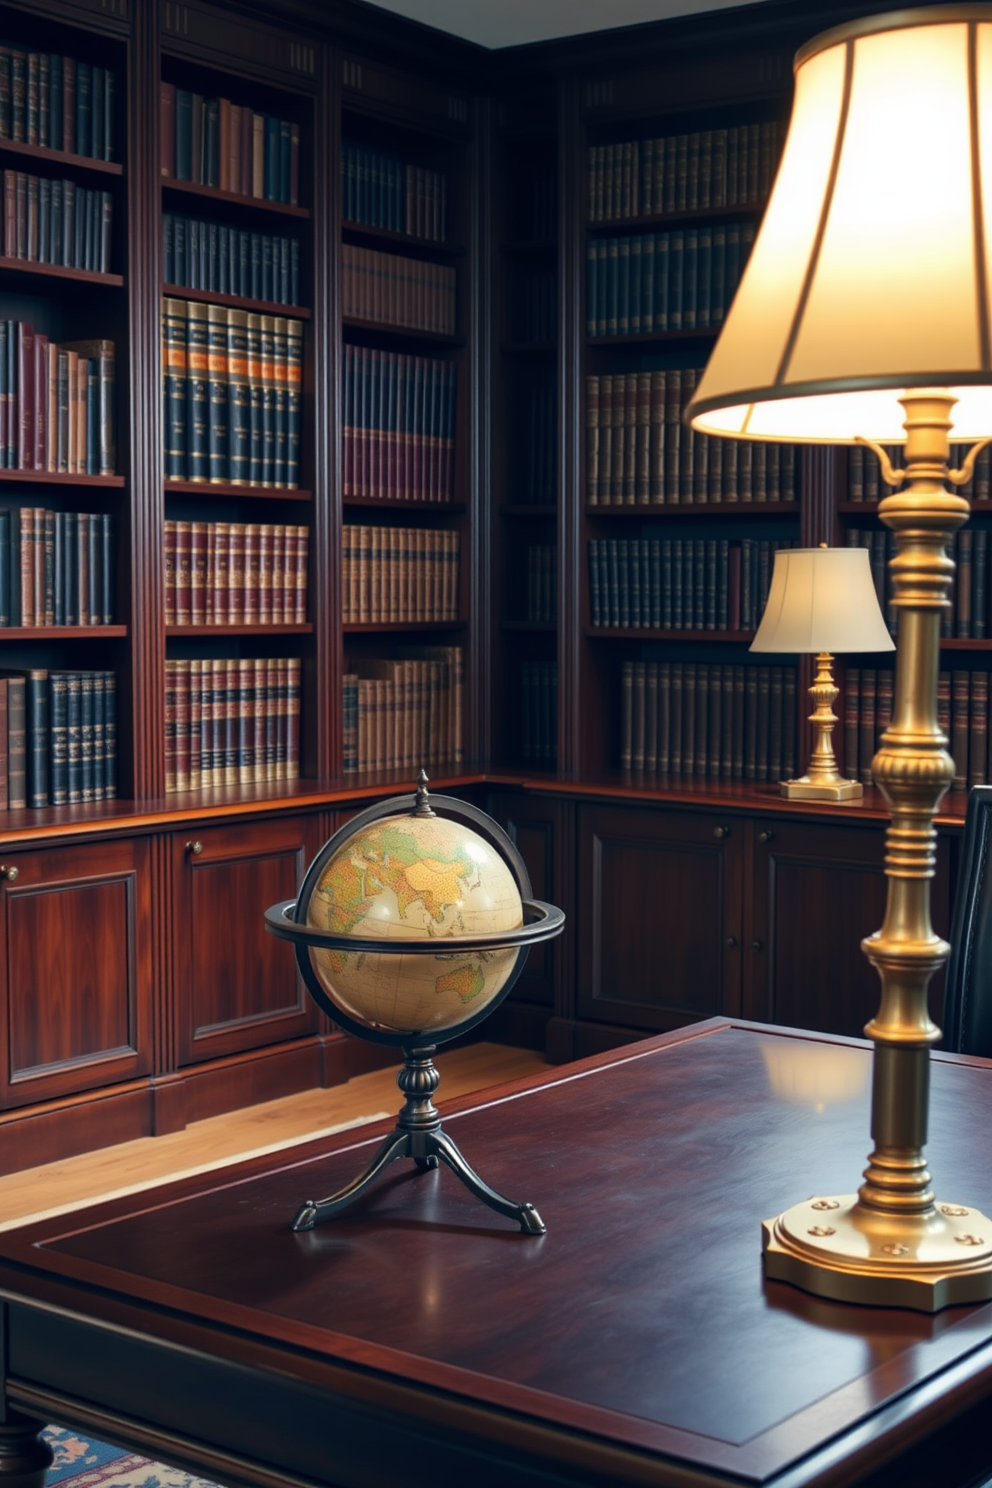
(410, 878)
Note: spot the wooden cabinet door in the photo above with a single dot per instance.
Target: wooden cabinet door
(76, 970)
(815, 892)
(237, 986)
(659, 916)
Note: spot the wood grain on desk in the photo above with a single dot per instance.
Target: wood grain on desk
(640, 1323)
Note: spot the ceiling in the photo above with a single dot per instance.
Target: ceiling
(505, 23)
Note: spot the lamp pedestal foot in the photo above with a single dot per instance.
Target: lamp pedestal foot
(805, 789)
(838, 1248)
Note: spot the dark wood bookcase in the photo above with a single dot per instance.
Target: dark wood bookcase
(138, 990)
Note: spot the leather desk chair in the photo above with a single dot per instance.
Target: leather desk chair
(968, 999)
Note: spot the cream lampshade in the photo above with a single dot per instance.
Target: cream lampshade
(822, 601)
(864, 315)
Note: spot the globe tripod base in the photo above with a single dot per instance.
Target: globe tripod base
(839, 1249)
(418, 1134)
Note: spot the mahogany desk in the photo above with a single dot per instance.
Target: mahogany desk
(424, 1342)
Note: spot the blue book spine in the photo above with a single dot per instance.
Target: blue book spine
(84, 108)
(58, 705)
(184, 134)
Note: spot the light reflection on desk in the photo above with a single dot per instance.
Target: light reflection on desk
(814, 1074)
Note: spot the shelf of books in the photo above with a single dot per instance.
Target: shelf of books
(237, 554)
(405, 283)
(674, 569)
(64, 503)
(963, 681)
(526, 436)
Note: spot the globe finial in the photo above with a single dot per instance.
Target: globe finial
(423, 807)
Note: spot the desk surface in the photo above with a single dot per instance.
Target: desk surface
(637, 1341)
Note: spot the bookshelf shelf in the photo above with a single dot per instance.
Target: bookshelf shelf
(62, 632)
(45, 156)
(401, 627)
(237, 302)
(24, 268)
(655, 338)
(398, 504)
(226, 488)
(406, 333)
(51, 478)
(232, 198)
(691, 510)
(628, 632)
(382, 237)
(617, 226)
(191, 631)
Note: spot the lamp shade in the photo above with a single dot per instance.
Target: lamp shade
(870, 273)
(822, 599)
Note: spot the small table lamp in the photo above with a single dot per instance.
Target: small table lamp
(864, 316)
(822, 600)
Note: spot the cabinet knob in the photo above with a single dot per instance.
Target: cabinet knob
(731, 942)
(195, 847)
(757, 945)
(11, 873)
(766, 836)
(721, 832)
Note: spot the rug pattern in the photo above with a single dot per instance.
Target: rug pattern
(83, 1463)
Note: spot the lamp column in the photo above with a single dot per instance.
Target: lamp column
(913, 770)
(892, 1244)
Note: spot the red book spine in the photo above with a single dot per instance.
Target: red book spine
(169, 555)
(198, 572)
(40, 402)
(184, 614)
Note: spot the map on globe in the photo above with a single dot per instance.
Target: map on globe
(410, 877)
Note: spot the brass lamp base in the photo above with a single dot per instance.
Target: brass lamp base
(805, 789)
(838, 1248)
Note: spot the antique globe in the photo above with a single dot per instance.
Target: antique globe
(411, 925)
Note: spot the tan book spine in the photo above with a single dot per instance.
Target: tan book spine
(289, 576)
(52, 419)
(182, 724)
(195, 723)
(302, 571)
(72, 435)
(278, 573)
(169, 559)
(259, 705)
(293, 710)
(250, 609)
(198, 572)
(184, 565)
(27, 567)
(258, 155)
(364, 554)
(265, 539)
(222, 572)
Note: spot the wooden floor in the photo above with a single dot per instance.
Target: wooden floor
(150, 1159)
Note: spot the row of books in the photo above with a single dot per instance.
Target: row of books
(535, 309)
(57, 102)
(408, 292)
(967, 618)
(640, 453)
(56, 222)
(405, 712)
(230, 260)
(962, 713)
(235, 573)
(232, 388)
(683, 172)
(864, 481)
(56, 568)
(399, 425)
(399, 575)
(542, 584)
(721, 722)
(58, 737)
(534, 429)
(680, 583)
(214, 142)
(231, 721)
(539, 713)
(661, 282)
(57, 403)
(379, 189)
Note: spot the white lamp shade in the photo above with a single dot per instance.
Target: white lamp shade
(822, 599)
(871, 270)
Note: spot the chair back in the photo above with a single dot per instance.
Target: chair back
(968, 998)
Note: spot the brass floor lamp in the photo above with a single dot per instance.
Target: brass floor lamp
(864, 316)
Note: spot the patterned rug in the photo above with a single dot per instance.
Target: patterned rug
(82, 1463)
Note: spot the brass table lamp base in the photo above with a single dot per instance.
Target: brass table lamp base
(893, 1245)
(837, 1248)
(824, 781)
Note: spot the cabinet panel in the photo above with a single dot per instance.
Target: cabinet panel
(659, 909)
(817, 891)
(535, 828)
(76, 970)
(237, 985)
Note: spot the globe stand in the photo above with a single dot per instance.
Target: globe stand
(418, 1134)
